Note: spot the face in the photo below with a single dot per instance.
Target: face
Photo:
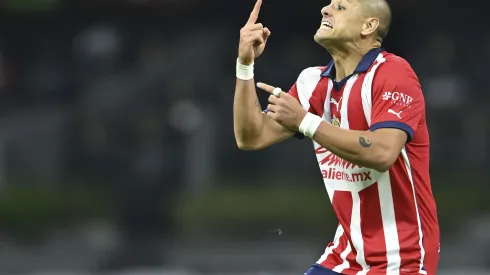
(342, 21)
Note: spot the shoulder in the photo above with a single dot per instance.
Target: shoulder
(395, 75)
(394, 66)
(307, 81)
(394, 71)
(311, 73)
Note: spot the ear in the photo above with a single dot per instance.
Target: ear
(370, 26)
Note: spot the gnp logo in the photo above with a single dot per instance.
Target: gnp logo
(398, 98)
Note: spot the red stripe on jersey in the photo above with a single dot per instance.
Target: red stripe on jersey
(317, 99)
(293, 91)
(355, 109)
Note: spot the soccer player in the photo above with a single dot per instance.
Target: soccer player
(365, 114)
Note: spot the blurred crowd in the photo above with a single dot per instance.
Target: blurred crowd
(137, 96)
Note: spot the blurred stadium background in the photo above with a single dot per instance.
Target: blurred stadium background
(117, 153)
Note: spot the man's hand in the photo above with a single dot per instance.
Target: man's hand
(253, 38)
(284, 109)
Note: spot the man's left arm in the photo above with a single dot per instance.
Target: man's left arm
(377, 150)
(397, 106)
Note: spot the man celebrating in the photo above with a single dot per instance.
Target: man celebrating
(365, 113)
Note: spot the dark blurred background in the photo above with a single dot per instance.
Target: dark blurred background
(117, 152)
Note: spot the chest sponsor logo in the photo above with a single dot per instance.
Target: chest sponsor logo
(334, 174)
(341, 175)
(335, 168)
(332, 160)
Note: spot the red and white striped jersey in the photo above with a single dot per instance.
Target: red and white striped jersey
(387, 220)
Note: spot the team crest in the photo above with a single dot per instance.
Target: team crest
(335, 121)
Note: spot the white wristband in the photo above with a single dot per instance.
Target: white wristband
(310, 124)
(244, 72)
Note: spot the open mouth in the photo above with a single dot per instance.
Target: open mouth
(326, 25)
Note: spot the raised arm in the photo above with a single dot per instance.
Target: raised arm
(253, 129)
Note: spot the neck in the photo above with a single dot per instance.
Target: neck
(347, 57)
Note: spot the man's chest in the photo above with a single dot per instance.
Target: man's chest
(346, 109)
(340, 105)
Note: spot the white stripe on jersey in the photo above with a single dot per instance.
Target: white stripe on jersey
(367, 89)
(344, 122)
(327, 115)
(307, 81)
(389, 224)
(419, 224)
(356, 233)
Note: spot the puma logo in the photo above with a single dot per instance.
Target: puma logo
(395, 113)
(334, 101)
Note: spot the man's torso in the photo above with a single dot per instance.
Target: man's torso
(387, 220)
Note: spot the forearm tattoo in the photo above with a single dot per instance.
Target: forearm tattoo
(365, 142)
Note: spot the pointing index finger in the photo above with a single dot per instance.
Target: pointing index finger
(268, 88)
(254, 15)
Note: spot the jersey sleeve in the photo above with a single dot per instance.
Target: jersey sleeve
(397, 99)
(294, 92)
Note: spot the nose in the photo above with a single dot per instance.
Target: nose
(326, 10)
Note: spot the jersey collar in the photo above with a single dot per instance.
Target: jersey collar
(366, 62)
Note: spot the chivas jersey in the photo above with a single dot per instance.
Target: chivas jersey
(387, 220)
